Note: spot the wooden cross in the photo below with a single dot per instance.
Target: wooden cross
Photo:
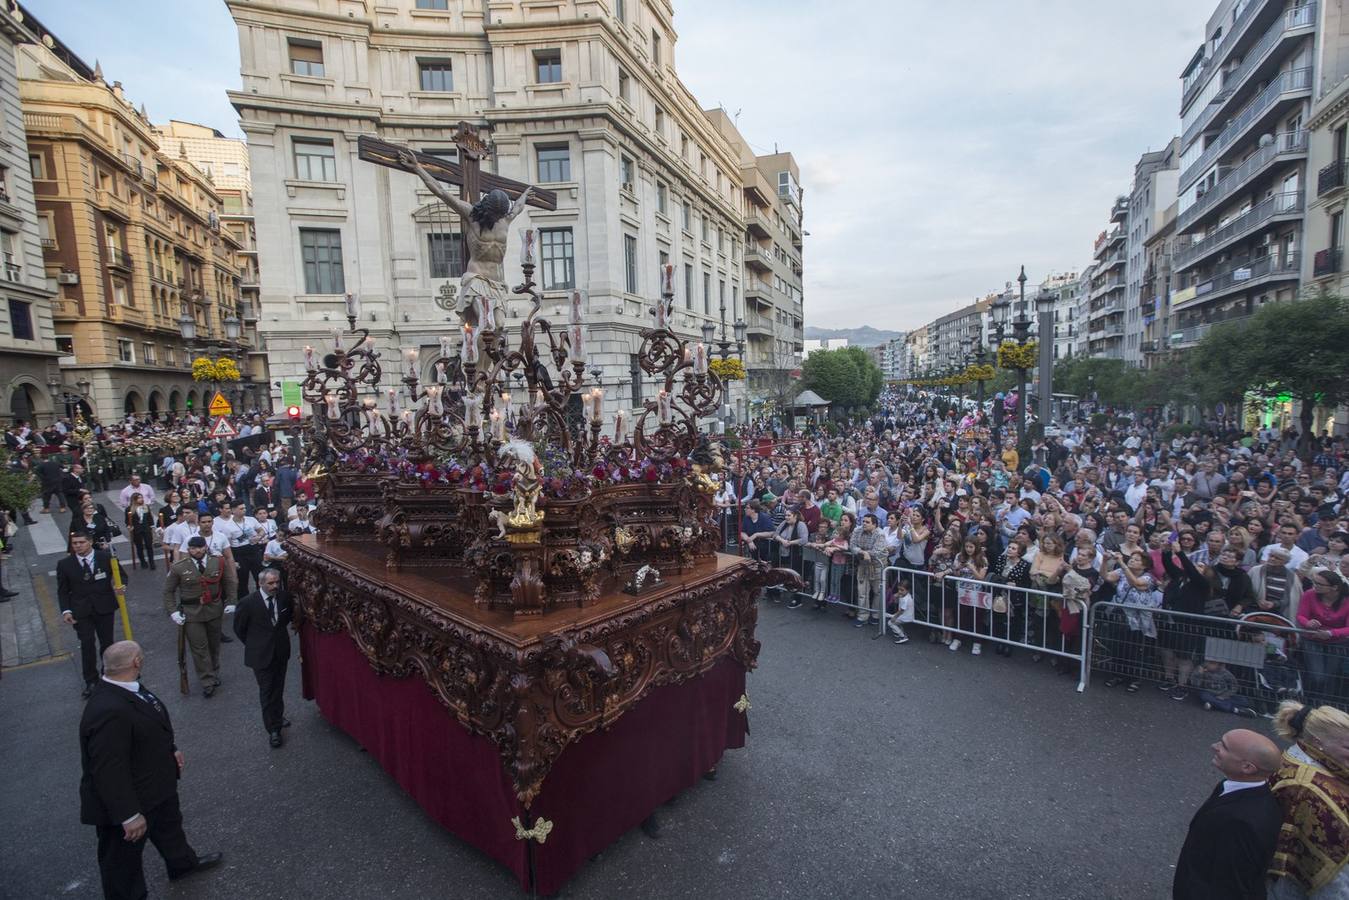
(466, 173)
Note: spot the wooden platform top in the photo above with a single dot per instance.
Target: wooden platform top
(366, 563)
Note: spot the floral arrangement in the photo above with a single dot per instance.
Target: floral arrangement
(223, 369)
(1014, 356)
(727, 369)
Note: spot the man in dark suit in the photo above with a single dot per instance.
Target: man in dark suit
(260, 622)
(88, 600)
(72, 483)
(129, 785)
(1231, 840)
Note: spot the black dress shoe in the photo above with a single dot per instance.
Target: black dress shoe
(208, 690)
(651, 827)
(274, 739)
(208, 861)
(88, 689)
(226, 639)
(8, 595)
(710, 774)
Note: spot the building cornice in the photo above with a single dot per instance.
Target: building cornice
(1329, 105)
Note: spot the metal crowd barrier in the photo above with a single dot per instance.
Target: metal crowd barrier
(1269, 659)
(985, 611)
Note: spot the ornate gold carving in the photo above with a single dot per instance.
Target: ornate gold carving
(742, 705)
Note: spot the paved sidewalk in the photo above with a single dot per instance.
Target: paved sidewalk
(30, 625)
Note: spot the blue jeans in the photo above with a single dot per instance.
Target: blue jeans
(1227, 705)
(1327, 664)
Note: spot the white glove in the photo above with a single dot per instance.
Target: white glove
(229, 610)
(178, 618)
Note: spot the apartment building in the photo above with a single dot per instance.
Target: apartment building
(1154, 190)
(956, 335)
(917, 356)
(1064, 288)
(1105, 299)
(772, 276)
(224, 161)
(132, 237)
(1079, 344)
(29, 374)
(1245, 101)
(582, 98)
(898, 358)
(1155, 289)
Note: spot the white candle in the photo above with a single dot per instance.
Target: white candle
(309, 358)
(442, 372)
(433, 404)
(663, 405)
(446, 346)
(410, 354)
(621, 427)
(660, 314)
(472, 411)
(687, 354)
(407, 417)
(700, 359)
(574, 315)
(470, 345)
(334, 410)
(597, 404)
(486, 315)
(578, 353)
(505, 399)
(393, 403)
(538, 398)
(353, 306)
(498, 425)
(337, 339)
(667, 280)
(527, 247)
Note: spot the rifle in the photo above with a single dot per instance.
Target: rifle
(182, 661)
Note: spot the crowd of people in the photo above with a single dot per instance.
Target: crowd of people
(1217, 524)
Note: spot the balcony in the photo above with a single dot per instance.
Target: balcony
(109, 202)
(134, 164)
(1275, 207)
(759, 293)
(759, 326)
(1255, 64)
(119, 259)
(1297, 83)
(756, 258)
(1240, 27)
(1245, 274)
(1109, 308)
(1286, 145)
(1120, 211)
(758, 224)
(1114, 329)
(1326, 262)
(1190, 335)
(49, 243)
(1330, 179)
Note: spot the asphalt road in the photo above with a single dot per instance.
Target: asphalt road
(872, 770)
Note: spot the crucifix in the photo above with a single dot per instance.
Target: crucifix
(486, 205)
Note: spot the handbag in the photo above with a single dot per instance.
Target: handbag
(11, 529)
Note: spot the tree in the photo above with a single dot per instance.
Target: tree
(1297, 351)
(846, 377)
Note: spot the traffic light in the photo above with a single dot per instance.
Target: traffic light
(189, 404)
(293, 413)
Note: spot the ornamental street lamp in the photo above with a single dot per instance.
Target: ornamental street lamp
(1044, 306)
(1020, 335)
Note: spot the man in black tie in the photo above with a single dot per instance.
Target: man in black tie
(129, 785)
(1231, 840)
(88, 600)
(260, 622)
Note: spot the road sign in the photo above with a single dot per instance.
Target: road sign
(291, 394)
(219, 405)
(222, 428)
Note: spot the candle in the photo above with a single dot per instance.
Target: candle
(538, 398)
(700, 359)
(578, 353)
(472, 411)
(393, 403)
(407, 417)
(411, 353)
(337, 339)
(667, 280)
(433, 404)
(505, 399)
(334, 410)
(470, 345)
(446, 346)
(486, 315)
(660, 314)
(663, 405)
(442, 372)
(309, 358)
(574, 314)
(527, 247)
(498, 425)
(621, 427)
(686, 355)
(353, 306)
(597, 404)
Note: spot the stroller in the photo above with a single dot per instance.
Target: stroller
(1277, 678)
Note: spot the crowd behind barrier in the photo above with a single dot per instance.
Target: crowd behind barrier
(1144, 550)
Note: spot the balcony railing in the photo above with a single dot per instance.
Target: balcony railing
(1286, 143)
(1114, 329)
(1293, 19)
(1201, 77)
(1331, 178)
(119, 257)
(1274, 205)
(1294, 81)
(49, 243)
(1326, 262)
(1242, 274)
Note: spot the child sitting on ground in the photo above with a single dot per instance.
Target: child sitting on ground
(1217, 689)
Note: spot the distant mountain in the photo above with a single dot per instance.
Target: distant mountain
(866, 336)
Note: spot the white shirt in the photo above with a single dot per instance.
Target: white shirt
(1296, 556)
(1134, 494)
(302, 527)
(274, 550)
(124, 498)
(1229, 786)
(240, 533)
(216, 543)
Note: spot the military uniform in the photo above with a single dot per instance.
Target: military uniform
(200, 593)
(99, 468)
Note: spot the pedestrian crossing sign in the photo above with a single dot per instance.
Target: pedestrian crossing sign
(222, 428)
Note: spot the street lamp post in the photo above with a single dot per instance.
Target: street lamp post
(1020, 335)
(1044, 306)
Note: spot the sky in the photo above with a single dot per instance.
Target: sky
(941, 145)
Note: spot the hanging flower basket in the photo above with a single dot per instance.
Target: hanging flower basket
(1014, 356)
